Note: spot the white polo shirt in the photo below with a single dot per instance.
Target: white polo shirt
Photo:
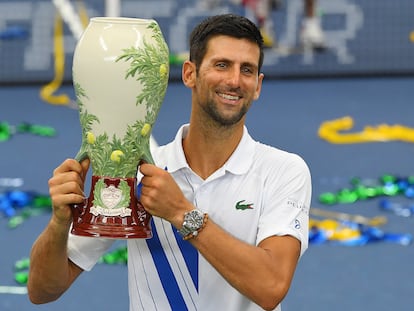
(261, 191)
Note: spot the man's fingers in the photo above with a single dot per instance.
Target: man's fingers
(85, 167)
(67, 199)
(71, 187)
(68, 165)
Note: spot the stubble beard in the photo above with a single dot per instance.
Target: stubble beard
(219, 119)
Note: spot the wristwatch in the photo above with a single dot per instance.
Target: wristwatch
(193, 222)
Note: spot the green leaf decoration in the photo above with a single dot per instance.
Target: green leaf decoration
(126, 198)
(99, 186)
(86, 121)
(150, 66)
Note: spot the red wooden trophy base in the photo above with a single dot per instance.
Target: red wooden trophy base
(127, 222)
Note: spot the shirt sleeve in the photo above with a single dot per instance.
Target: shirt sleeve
(86, 251)
(287, 203)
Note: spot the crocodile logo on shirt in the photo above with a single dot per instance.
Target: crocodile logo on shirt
(241, 206)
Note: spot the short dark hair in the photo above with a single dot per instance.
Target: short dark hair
(231, 25)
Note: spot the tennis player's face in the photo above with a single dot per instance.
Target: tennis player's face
(228, 80)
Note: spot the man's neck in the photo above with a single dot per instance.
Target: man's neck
(208, 148)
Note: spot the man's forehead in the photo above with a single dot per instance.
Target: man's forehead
(215, 44)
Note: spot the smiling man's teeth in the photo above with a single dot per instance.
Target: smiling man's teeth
(227, 96)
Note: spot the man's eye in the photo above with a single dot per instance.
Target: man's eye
(221, 65)
(247, 70)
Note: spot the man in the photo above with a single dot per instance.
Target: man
(241, 207)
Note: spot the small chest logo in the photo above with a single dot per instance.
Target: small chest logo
(243, 206)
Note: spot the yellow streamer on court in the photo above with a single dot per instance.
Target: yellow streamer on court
(331, 131)
(47, 92)
(355, 218)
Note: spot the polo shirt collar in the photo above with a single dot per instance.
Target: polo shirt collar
(242, 158)
(239, 162)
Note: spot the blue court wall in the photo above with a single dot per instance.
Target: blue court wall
(370, 37)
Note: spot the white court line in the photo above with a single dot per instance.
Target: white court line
(19, 290)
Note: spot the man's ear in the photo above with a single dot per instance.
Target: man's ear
(259, 86)
(188, 74)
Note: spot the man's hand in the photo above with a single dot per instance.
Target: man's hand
(66, 188)
(161, 196)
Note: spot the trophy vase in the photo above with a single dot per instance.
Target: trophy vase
(120, 76)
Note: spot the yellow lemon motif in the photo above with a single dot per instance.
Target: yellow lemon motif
(145, 129)
(116, 156)
(163, 70)
(90, 138)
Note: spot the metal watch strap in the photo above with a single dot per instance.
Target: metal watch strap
(193, 221)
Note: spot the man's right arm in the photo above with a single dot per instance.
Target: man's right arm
(51, 271)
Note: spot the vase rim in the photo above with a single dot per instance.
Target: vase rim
(123, 20)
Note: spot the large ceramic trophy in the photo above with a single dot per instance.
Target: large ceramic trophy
(120, 75)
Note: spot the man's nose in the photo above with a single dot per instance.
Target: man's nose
(233, 78)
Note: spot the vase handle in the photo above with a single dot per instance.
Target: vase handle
(82, 155)
(146, 155)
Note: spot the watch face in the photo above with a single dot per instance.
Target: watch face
(194, 220)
